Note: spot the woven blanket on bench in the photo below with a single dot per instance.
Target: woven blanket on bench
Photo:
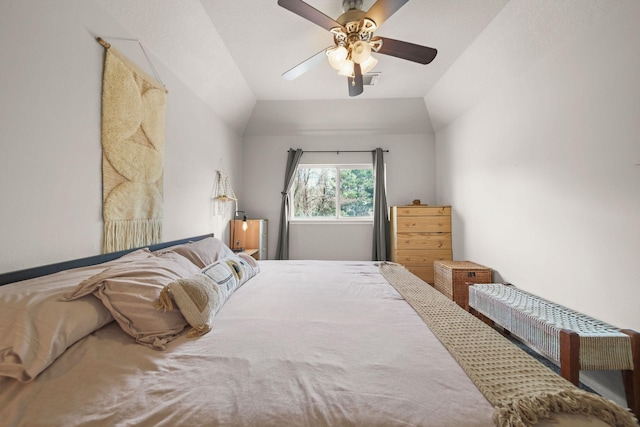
(522, 390)
(538, 322)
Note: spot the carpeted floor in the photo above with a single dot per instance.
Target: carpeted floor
(546, 362)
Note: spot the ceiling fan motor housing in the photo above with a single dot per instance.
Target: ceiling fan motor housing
(350, 16)
(351, 4)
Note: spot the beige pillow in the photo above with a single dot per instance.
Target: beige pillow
(130, 291)
(200, 297)
(37, 324)
(203, 252)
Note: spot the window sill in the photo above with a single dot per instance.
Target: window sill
(368, 221)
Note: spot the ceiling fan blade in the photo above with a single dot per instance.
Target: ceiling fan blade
(356, 85)
(383, 9)
(406, 50)
(305, 65)
(310, 13)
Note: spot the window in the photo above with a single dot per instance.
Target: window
(333, 192)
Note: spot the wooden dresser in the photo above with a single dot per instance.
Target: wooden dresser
(420, 235)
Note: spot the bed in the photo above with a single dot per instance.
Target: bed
(302, 343)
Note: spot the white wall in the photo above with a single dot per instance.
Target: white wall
(50, 154)
(410, 165)
(543, 174)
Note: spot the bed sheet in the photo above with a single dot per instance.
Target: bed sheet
(305, 343)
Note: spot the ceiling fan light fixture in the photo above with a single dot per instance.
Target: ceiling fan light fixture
(347, 70)
(337, 57)
(368, 64)
(360, 51)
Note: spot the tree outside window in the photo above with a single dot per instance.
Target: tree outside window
(315, 194)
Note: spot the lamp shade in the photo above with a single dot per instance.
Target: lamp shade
(360, 51)
(337, 57)
(347, 70)
(368, 64)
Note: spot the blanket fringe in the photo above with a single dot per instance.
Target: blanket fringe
(528, 411)
(198, 331)
(164, 301)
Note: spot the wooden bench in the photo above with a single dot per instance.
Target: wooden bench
(570, 339)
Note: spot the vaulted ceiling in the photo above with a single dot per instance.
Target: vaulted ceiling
(232, 53)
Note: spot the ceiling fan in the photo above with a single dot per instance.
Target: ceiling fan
(354, 41)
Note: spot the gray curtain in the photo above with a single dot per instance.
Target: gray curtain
(381, 234)
(282, 250)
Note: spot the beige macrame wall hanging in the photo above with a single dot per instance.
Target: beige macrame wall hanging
(133, 132)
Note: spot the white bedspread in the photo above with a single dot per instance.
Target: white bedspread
(308, 343)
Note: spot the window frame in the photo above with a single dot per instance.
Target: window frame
(337, 219)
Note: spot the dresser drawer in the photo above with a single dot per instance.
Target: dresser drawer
(421, 258)
(423, 224)
(417, 240)
(422, 210)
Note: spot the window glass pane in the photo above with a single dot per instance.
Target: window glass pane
(315, 193)
(356, 193)
(333, 192)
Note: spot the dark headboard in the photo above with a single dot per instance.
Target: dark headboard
(16, 276)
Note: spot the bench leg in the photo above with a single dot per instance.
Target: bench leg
(481, 316)
(570, 356)
(631, 378)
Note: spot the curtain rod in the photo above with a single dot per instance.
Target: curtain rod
(341, 151)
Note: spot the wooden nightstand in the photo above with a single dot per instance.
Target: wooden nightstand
(253, 240)
(252, 252)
